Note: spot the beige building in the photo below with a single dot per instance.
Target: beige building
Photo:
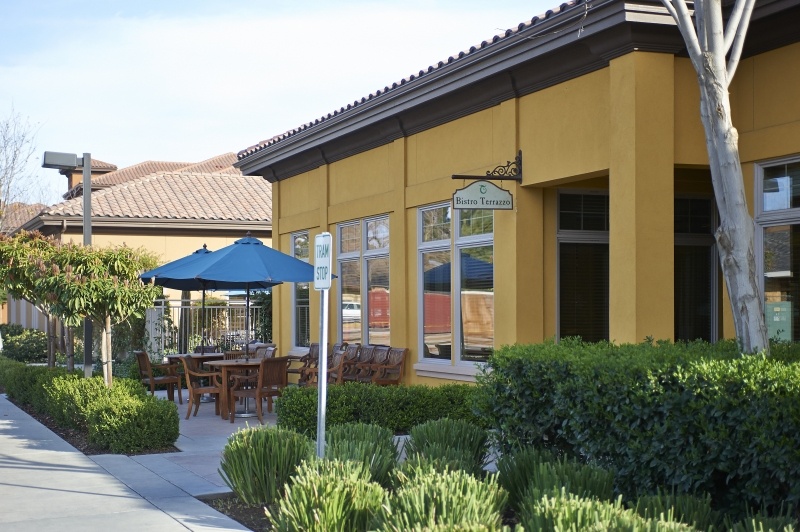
(611, 231)
(168, 208)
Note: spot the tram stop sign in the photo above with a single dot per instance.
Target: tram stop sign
(323, 252)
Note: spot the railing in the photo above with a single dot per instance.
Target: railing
(175, 326)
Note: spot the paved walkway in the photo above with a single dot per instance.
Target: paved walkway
(48, 485)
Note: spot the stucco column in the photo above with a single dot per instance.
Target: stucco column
(641, 183)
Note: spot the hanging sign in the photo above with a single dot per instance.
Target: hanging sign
(483, 195)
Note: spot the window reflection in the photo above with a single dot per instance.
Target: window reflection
(437, 331)
(781, 289)
(477, 302)
(351, 301)
(378, 294)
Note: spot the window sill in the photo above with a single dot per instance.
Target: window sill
(445, 370)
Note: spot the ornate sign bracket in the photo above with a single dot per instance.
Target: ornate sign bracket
(511, 171)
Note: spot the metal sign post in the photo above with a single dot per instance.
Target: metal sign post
(323, 252)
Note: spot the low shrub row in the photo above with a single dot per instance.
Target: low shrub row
(120, 419)
(24, 345)
(694, 417)
(361, 485)
(397, 408)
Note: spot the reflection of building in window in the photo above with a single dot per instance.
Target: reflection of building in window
(364, 268)
(778, 218)
(471, 278)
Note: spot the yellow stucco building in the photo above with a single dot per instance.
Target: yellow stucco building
(611, 231)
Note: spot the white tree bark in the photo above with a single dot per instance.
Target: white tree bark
(715, 51)
(105, 352)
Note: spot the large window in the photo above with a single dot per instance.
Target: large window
(778, 218)
(364, 269)
(456, 257)
(301, 323)
(583, 266)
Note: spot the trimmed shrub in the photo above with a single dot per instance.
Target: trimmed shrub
(329, 495)
(452, 443)
(397, 408)
(257, 462)
(70, 398)
(25, 384)
(426, 499)
(123, 423)
(371, 445)
(694, 417)
(30, 346)
(6, 366)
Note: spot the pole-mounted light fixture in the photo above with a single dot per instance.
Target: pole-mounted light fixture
(70, 161)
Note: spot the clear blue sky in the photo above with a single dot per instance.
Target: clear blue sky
(185, 80)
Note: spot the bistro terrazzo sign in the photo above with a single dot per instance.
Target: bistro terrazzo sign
(483, 195)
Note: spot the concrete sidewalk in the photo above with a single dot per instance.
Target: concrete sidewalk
(46, 484)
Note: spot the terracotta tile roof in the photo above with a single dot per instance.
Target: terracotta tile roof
(100, 165)
(221, 164)
(178, 196)
(17, 214)
(381, 93)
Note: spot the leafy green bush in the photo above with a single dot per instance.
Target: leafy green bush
(25, 384)
(257, 462)
(30, 346)
(697, 417)
(372, 445)
(6, 367)
(125, 423)
(70, 398)
(450, 442)
(397, 408)
(426, 499)
(329, 495)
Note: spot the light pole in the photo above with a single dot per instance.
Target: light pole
(70, 161)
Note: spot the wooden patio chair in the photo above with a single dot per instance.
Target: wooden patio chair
(309, 361)
(367, 369)
(350, 356)
(268, 383)
(391, 372)
(352, 367)
(171, 378)
(200, 382)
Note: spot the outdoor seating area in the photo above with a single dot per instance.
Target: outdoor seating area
(377, 364)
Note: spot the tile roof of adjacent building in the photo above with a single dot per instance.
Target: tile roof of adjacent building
(380, 93)
(222, 164)
(178, 196)
(17, 214)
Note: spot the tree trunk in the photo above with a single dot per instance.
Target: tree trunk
(105, 351)
(735, 235)
(69, 348)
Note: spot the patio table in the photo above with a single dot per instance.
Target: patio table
(229, 367)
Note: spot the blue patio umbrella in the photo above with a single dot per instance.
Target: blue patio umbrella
(475, 273)
(246, 264)
(162, 276)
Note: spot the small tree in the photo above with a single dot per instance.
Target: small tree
(101, 283)
(715, 48)
(17, 147)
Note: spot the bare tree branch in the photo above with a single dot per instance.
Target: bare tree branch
(739, 32)
(683, 18)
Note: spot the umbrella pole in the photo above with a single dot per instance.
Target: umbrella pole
(203, 319)
(247, 324)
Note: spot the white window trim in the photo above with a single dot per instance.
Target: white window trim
(456, 368)
(295, 349)
(764, 219)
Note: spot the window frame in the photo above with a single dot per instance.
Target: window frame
(293, 238)
(574, 236)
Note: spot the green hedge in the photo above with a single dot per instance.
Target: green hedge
(26, 345)
(121, 419)
(693, 417)
(397, 408)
